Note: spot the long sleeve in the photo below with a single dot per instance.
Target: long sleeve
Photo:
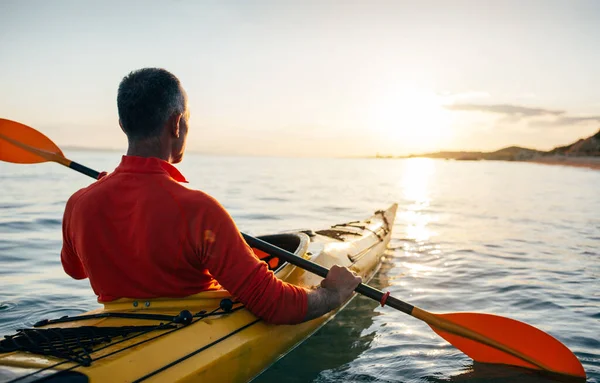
(69, 259)
(235, 266)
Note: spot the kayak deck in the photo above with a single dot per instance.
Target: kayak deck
(224, 341)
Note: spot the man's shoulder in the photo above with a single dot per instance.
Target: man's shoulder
(81, 194)
(199, 198)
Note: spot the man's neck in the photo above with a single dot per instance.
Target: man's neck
(149, 148)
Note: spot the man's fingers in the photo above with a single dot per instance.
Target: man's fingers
(339, 276)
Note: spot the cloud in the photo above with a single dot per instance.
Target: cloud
(534, 116)
(566, 120)
(505, 109)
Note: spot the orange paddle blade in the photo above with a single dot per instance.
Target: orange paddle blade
(528, 341)
(24, 145)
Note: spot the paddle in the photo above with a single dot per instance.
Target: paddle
(485, 338)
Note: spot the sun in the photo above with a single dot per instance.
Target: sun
(413, 118)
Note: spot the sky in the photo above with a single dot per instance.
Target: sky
(312, 78)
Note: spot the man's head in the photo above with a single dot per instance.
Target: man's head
(153, 110)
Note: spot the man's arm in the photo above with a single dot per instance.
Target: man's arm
(70, 261)
(230, 260)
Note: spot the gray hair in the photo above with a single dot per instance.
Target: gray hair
(146, 99)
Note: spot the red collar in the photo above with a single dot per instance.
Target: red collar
(134, 164)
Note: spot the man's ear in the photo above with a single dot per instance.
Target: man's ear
(121, 125)
(176, 119)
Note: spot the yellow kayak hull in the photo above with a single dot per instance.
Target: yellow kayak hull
(230, 347)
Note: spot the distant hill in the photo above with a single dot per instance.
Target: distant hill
(512, 153)
(587, 147)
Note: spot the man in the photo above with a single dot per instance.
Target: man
(139, 233)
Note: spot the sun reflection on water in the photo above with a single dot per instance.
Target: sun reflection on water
(416, 188)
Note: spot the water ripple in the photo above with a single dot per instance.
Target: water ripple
(463, 241)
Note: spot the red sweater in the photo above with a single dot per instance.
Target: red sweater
(139, 233)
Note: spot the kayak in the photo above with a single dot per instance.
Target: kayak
(203, 337)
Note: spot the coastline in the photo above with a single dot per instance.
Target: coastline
(582, 162)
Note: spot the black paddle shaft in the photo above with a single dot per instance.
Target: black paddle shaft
(295, 260)
(84, 169)
(321, 271)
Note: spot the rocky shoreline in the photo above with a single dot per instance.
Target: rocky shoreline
(584, 152)
(584, 162)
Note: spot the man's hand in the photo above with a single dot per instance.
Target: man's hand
(342, 281)
(335, 289)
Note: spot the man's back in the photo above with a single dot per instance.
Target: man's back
(133, 232)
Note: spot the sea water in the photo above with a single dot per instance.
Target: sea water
(514, 239)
